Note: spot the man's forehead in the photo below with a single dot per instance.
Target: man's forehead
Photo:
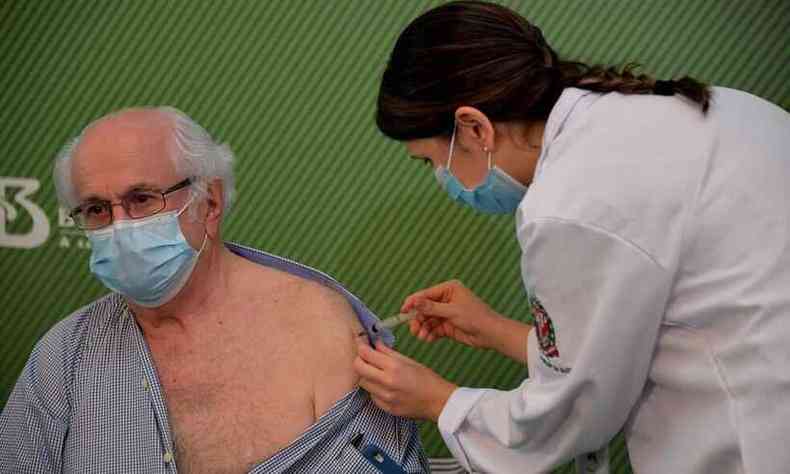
(127, 131)
(122, 151)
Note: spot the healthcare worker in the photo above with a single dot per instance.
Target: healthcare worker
(654, 224)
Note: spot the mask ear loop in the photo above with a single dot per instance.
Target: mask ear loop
(205, 233)
(203, 245)
(189, 203)
(452, 145)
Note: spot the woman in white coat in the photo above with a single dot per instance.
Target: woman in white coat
(654, 223)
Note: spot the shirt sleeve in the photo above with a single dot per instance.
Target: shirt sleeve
(32, 423)
(598, 301)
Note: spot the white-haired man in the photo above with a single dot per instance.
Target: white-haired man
(207, 356)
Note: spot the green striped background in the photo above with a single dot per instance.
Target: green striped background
(291, 86)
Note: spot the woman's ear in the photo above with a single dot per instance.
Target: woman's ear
(474, 129)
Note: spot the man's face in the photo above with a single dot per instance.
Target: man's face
(125, 153)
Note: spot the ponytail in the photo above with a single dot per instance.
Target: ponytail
(609, 79)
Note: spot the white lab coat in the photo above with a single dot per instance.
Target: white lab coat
(656, 241)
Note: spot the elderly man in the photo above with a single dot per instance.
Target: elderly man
(206, 356)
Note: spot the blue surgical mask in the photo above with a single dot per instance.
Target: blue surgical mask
(499, 193)
(146, 260)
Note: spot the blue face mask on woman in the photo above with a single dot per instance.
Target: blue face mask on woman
(147, 260)
(499, 193)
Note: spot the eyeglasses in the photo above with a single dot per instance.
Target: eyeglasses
(139, 203)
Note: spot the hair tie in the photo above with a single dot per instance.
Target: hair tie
(664, 88)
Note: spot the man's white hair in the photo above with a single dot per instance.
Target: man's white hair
(193, 151)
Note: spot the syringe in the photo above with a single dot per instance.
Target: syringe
(394, 321)
(391, 322)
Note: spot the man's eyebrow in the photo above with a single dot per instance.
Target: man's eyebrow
(141, 186)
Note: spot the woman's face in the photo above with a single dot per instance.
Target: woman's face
(470, 166)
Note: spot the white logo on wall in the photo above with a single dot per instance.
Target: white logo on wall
(9, 212)
(13, 208)
(70, 235)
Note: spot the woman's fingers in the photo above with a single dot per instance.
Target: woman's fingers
(426, 329)
(430, 332)
(416, 324)
(373, 357)
(366, 370)
(372, 386)
(447, 301)
(401, 385)
(385, 349)
(383, 397)
(437, 309)
(378, 382)
(435, 328)
(441, 292)
(436, 292)
(380, 361)
(392, 355)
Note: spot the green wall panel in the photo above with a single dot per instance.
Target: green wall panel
(291, 86)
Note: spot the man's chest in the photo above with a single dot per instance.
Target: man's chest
(228, 414)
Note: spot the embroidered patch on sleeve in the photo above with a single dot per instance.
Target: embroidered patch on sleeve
(547, 337)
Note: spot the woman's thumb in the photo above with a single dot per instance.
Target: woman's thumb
(435, 309)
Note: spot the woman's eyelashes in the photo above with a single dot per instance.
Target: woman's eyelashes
(425, 160)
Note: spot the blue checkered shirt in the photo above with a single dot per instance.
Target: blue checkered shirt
(89, 400)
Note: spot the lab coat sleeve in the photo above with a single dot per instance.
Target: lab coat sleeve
(603, 298)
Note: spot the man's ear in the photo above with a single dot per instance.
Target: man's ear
(215, 204)
(474, 129)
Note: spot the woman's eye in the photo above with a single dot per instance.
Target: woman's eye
(424, 159)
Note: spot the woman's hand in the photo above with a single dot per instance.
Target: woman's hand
(451, 310)
(400, 385)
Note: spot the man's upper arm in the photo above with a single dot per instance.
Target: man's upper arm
(333, 329)
(33, 424)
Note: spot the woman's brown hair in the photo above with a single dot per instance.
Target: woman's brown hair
(489, 57)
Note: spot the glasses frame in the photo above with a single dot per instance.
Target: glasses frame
(110, 205)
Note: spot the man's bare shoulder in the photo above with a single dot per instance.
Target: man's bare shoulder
(326, 326)
(310, 304)
(301, 326)
(327, 309)
(333, 328)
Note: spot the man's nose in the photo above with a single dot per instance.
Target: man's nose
(119, 212)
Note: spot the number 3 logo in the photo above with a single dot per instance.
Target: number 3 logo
(8, 212)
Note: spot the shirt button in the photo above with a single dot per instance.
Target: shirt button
(168, 457)
(146, 385)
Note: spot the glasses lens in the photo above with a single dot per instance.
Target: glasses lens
(143, 203)
(92, 215)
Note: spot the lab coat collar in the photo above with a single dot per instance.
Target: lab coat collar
(570, 98)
